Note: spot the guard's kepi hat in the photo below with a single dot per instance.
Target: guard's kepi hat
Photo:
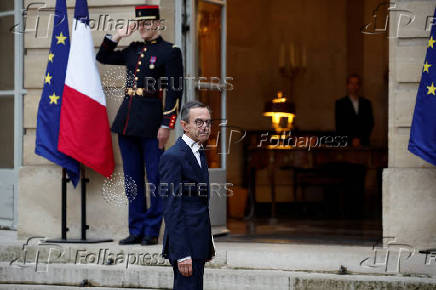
(147, 12)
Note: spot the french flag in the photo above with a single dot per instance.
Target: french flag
(84, 126)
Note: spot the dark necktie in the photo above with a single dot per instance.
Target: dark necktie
(204, 169)
(202, 158)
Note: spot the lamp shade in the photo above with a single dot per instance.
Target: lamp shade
(277, 109)
(282, 107)
(279, 104)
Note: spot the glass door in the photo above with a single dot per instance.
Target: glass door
(204, 44)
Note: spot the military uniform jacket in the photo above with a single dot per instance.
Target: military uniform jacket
(151, 66)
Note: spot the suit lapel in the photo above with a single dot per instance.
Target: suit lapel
(191, 158)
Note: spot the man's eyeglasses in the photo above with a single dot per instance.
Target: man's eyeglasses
(200, 122)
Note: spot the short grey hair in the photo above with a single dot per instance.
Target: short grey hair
(184, 114)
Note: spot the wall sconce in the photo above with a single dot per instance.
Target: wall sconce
(281, 111)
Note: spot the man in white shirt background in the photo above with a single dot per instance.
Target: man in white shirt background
(353, 114)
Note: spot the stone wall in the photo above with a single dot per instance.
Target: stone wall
(409, 184)
(39, 180)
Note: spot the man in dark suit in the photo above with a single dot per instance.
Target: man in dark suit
(354, 116)
(144, 118)
(354, 119)
(184, 177)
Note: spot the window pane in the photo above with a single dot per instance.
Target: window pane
(6, 5)
(6, 53)
(7, 132)
(213, 100)
(209, 39)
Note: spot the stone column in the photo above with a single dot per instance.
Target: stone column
(409, 183)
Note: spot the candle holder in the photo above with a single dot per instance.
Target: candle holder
(292, 62)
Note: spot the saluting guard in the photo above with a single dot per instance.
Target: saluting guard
(146, 114)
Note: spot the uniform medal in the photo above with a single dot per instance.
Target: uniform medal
(152, 62)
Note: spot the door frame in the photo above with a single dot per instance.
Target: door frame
(186, 38)
(9, 176)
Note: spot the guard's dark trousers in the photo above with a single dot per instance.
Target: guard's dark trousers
(136, 151)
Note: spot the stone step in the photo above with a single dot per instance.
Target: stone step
(50, 287)
(292, 257)
(99, 253)
(160, 277)
(391, 259)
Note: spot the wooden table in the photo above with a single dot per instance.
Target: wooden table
(301, 159)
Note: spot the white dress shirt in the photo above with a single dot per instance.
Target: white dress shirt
(355, 104)
(195, 147)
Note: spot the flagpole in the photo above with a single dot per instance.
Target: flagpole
(55, 88)
(83, 183)
(65, 180)
(84, 227)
